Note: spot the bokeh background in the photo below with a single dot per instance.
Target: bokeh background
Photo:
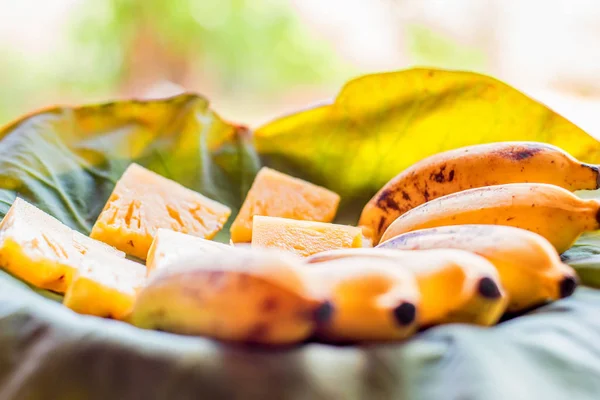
(257, 59)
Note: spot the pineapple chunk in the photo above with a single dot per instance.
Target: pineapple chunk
(169, 247)
(279, 195)
(41, 250)
(85, 244)
(304, 237)
(144, 201)
(105, 286)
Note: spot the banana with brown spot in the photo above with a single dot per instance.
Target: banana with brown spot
(471, 167)
(241, 295)
(550, 211)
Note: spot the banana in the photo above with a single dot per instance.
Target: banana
(372, 299)
(548, 210)
(471, 167)
(240, 295)
(455, 285)
(530, 268)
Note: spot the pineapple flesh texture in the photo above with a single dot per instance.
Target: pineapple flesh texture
(304, 238)
(41, 250)
(276, 194)
(105, 285)
(143, 201)
(169, 247)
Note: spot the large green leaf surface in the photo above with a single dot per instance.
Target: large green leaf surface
(66, 161)
(380, 124)
(48, 352)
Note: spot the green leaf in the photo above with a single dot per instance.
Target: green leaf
(380, 124)
(584, 257)
(67, 160)
(50, 352)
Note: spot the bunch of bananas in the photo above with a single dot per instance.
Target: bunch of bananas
(462, 236)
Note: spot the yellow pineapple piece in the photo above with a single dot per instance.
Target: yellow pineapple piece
(303, 237)
(105, 286)
(41, 250)
(144, 201)
(169, 247)
(86, 244)
(276, 194)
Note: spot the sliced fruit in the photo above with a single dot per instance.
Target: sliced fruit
(40, 249)
(303, 237)
(169, 247)
(105, 286)
(85, 244)
(279, 195)
(243, 295)
(144, 201)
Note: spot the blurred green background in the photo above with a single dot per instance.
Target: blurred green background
(256, 59)
(249, 57)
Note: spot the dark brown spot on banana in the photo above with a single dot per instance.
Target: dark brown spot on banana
(488, 288)
(381, 223)
(405, 313)
(567, 286)
(130, 242)
(405, 196)
(438, 176)
(386, 200)
(521, 153)
(323, 313)
(451, 176)
(596, 170)
(269, 304)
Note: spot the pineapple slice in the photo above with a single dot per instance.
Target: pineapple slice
(105, 285)
(144, 201)
(169, 247)
(85, 244)
(276, 194)
(41, 250)
(304, 237)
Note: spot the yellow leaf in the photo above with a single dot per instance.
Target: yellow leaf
(381, 124)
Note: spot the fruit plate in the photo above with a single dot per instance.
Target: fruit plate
(66, 161)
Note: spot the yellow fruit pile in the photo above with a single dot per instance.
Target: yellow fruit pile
(462, 236)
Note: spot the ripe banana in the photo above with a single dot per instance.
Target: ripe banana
(530, 268)
(455, 285)
(471, 167)
(553, 212)
(372, 299)
(239, 295)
